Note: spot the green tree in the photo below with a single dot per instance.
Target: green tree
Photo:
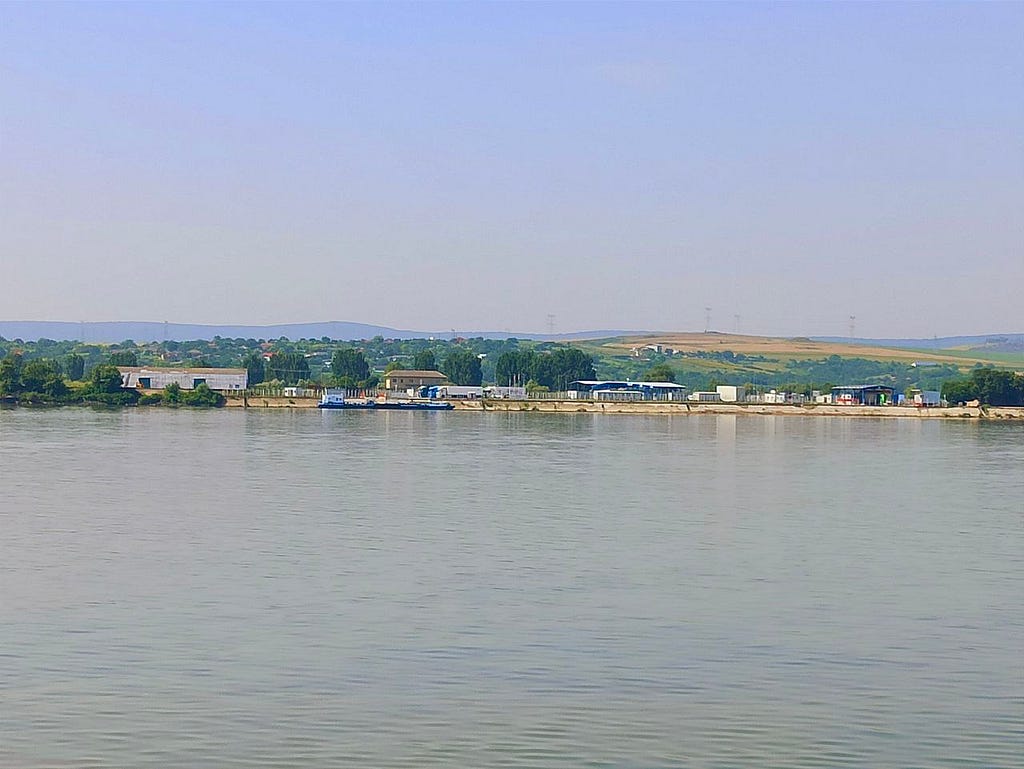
(10, 374)
(288, 367)
(661, 373)
(202, 395)
(105, 386)
(463, 368)
(253, 363)
(123, 358)
(424, 361)
(43, 376)
(563, 365)
(172, 393)
(349, 364)
(105, 378)
(958, 391)
(74, 366)
(513, 368)
(998, 388)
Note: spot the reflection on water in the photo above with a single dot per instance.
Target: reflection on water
(456, 589)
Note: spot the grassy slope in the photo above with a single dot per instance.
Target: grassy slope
(778, 354)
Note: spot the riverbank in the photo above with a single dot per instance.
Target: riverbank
(678, 409)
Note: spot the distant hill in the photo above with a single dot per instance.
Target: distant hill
(986, 342)
(146, 331)
(714, 344)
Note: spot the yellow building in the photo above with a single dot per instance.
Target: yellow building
(404, 379)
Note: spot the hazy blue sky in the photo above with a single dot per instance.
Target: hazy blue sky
(479, 166)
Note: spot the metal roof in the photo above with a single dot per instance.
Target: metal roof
(152, 370)
(592, 383)
(863, 387)
(414, 373)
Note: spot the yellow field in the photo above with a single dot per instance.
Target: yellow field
(778, 347)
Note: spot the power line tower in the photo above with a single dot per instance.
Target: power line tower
(551, 324)
(707, 319)
(853, 326)
(736, 318)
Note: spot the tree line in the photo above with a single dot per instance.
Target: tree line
(359, 363)
(993, 387)
(43, 381)
(553, 370)
(349, 367)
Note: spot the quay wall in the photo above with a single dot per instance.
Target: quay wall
(676, 408)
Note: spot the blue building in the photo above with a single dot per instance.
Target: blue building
(864, 395)
(607, 390)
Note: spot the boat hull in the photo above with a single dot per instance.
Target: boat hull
(374, 406)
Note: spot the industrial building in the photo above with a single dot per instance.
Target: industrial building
(602, 390)
(145, 378)
(863, 395)
(927, 398)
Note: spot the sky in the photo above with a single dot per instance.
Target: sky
(516, 166)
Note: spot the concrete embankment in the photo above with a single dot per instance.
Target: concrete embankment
(679, 409)
(271, 402)
(747, 409)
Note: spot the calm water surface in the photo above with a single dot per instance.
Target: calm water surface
(285, 589)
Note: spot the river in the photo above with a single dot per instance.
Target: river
(260, 588)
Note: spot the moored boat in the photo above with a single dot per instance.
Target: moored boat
(337, 400)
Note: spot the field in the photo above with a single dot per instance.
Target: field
(781, 349)
(701, 360)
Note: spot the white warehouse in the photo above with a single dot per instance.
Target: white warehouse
(732, 393)
(146, 378)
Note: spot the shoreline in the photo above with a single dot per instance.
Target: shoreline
(671, 408)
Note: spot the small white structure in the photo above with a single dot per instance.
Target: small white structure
(506, 393)
(732, 393)
(928, 398)
(456, 391)
(704, 396)
(296, 392)
(145, 378)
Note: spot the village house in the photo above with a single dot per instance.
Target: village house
(405, 379)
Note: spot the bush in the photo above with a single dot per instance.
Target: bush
(36, 399)
(172, 394)
(106, 379)
(203, 396)
(122, 398)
